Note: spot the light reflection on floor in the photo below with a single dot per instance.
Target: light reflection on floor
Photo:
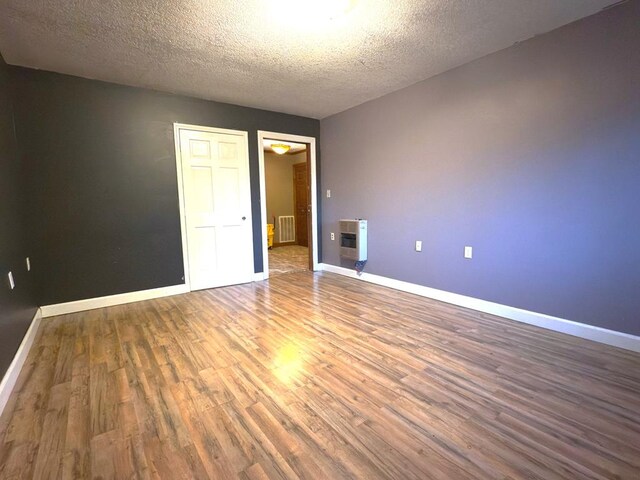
(288, 364)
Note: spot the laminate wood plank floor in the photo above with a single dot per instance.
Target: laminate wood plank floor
(316, 376)
(288, 259)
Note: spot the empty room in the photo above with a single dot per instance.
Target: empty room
(320, 239)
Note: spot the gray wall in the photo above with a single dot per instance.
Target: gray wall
(102, 187)
(278, 174)
(17, 306)
(531, 155)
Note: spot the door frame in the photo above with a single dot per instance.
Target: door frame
(286, 137)
(183, 218)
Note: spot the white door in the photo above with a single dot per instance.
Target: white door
(217, 207)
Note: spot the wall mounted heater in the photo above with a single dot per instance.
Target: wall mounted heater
(287, 229)
(353, 239)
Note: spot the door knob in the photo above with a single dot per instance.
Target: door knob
(244, 218)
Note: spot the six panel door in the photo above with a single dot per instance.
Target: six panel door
(217, 201)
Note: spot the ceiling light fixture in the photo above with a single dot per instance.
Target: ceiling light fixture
(280, 148)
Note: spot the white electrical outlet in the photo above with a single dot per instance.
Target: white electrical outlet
(418, 245)
(468, 252)
(12, 284)
(333, 236)
(328, 193)
(28, 262)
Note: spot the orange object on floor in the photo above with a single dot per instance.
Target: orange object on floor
(270, 234)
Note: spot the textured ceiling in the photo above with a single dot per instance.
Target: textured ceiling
(272, 54)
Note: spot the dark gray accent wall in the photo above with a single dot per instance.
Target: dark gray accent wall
(104, 216)
(531, 155)
(17, 306)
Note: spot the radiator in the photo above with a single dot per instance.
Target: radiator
(287, 229)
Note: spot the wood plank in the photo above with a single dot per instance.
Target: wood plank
(49, 459)
(317, 376)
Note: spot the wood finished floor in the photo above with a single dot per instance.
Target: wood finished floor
(317, 377)
(288, 259)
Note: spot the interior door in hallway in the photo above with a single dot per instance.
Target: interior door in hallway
(217, 206)
(302, 206)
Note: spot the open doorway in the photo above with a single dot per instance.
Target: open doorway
(287, 164)
(286, 174)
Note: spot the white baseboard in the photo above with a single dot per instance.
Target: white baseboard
(120, 299)
(109, 301)
(597, 334)
(11, 376)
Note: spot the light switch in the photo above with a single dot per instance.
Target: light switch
(12, 284)
(328, 193)
(468, 252)
(418, 245)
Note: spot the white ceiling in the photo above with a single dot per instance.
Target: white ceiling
(271, 54)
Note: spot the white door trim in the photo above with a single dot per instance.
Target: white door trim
(183, 219)
(286, 137)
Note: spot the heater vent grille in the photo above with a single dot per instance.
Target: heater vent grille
(287, 229)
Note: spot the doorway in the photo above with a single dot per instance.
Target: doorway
(288, 202)
(215, 206)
